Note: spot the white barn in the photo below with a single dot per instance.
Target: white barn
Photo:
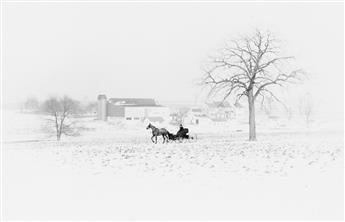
(132, 109)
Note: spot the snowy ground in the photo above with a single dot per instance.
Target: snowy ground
(113, 173)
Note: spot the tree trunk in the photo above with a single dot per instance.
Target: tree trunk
(60, 128)
(57, 127)
(57, 134)
(252, 129)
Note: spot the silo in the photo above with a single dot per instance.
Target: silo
(102, 107)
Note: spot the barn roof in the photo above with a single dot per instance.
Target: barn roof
(133, 101)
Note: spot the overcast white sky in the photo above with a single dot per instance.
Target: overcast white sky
(157, 49)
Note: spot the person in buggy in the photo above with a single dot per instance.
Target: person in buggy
(182, 133)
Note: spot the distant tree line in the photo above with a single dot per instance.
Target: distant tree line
(62, 113)
(33, 105)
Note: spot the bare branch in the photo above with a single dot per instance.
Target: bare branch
(279, 80)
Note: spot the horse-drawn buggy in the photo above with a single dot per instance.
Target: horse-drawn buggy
(181, 134)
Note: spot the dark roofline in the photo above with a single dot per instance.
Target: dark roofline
(128, 105)
(134, 101)
(102, 96)
(131, 98)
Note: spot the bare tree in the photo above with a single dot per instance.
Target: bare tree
(251, 67)
(61, 110)
(181, 115)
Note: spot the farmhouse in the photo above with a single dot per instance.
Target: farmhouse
(220, 111)
(131, 109)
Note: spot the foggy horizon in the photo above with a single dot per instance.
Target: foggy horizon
(82, 56)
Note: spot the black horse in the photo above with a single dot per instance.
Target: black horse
(158, 132)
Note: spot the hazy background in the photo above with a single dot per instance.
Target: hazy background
(157, 49)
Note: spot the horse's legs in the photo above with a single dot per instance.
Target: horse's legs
(156, 138)
(163, 138)
(152, 138)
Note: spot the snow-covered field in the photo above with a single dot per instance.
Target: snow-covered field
(112, 172)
